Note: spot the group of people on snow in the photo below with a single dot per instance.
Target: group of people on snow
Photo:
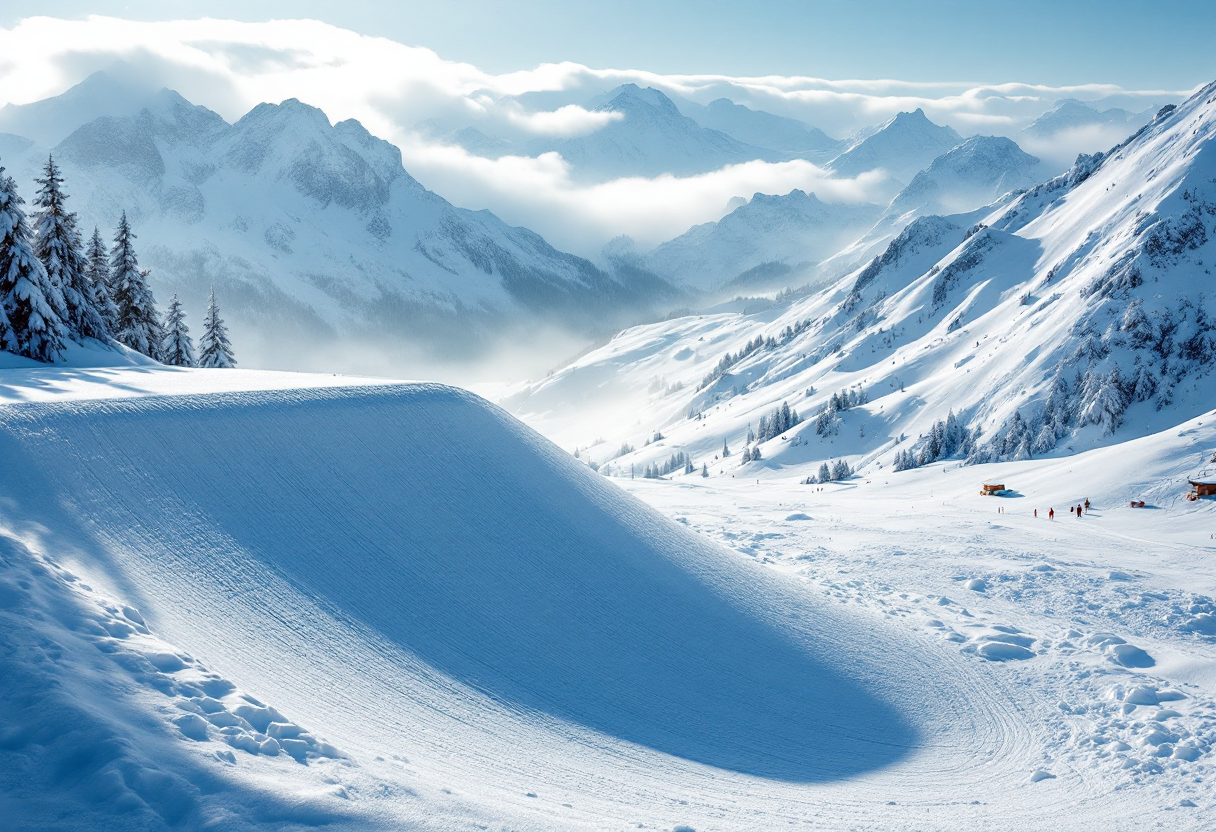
(1076, 511)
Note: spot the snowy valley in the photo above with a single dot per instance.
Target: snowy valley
(729, 568)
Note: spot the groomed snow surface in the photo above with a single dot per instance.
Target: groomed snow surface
(322, 601)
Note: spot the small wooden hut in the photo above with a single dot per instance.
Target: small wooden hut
(1201, 488)
(990, 489)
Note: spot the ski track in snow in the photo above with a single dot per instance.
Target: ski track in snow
(1089, 628)
(446, 623)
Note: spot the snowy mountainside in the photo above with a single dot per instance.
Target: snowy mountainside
(792, 240)
(1076, 315)
(323, 247)
(769, 240)
(651, 138)
(902, 147)
(1072, 127)
(761, 129)
(117, 93)
(1071, 114)
(966, 177)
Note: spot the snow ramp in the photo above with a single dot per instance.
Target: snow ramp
(407, 570)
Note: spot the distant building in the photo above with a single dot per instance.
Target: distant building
(990, 489)
(1201, 488)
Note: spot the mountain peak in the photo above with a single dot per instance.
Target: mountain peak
(291, 111)
(913, 120)
(967, 176)
(903, 146)
(628, 96)
(116, 92)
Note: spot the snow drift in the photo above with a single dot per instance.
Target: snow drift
(407, 567)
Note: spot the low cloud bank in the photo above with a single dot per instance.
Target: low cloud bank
(392, 89)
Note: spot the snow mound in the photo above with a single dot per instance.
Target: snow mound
(329, 552)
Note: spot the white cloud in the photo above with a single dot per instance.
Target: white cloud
(231, 66)
(540, 193)
(568, 121)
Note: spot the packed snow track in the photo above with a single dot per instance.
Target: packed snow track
(442, 621)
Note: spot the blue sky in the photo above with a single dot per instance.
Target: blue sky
(1164, 44)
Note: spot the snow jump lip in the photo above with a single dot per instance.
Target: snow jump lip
(450, 530)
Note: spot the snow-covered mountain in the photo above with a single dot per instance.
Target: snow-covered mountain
(760, 129)
(787, 241)
(770, 240)
(1071, 114)
(118, 92)
(319, 242)
(966, 177)
(650, 138)
(1072, 127)
(902, 147)
(1076, 315)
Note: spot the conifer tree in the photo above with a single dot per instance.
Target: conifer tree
(58, 246)
(177, 349)
(97, 269)
(29, 322)
(214, 349)
(138, 324)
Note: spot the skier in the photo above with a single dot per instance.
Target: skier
(1087, 505)
(1051, 514)
(1036, 512)
(1078, 511)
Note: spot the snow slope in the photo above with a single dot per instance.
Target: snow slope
(517, 600)
(1075, 315)
(902, 147)
(769, 240)
(394, 606)
(967, 177)
(324, 251)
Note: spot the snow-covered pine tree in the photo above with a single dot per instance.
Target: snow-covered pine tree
(138, 323)
(725, 449)
(214, 349)
(58, 246)
(705, 469)
(747, 454)
(825, 473)
(177, 349)
(97, 269)
(1107, 401)
(29, 323)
